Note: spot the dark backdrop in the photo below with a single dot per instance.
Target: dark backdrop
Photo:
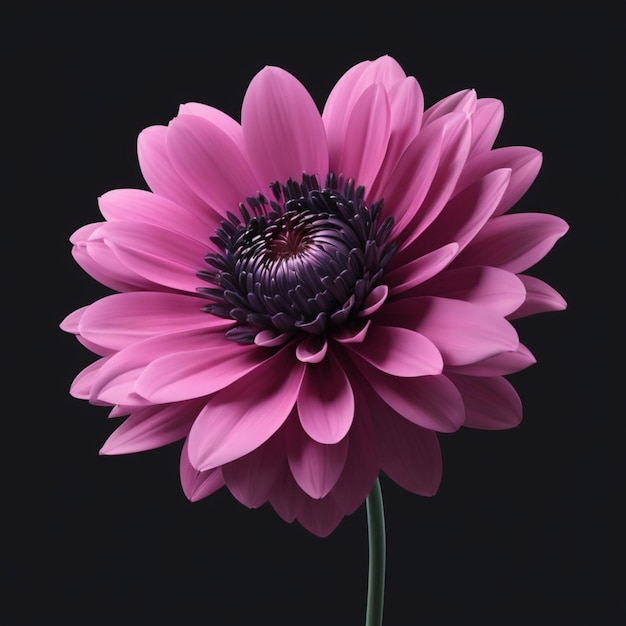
(524, 528)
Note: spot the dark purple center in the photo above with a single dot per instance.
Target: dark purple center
(303, 262)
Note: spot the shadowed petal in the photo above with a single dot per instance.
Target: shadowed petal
(244, 415)
(286, 497)
(152, 427)
(491, 403)
(315, 466)
(326, 401)
(398, 351)
(197, 485)
(540, 298)
(499, 365)
(514, 241)
(282, 128)
(251, 478)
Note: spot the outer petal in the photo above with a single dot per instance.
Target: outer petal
(197, 485)
(514, 241)
(463, 101)
(486, 122)
(366, 137)
(490, 403)
(315, 466)
(320, 517)
(246, 414)
(463, 332)
(218, 118)
(540, 298)
(83, 383)
(118, 320)
(210, 162)
(499, 365)
(162, 178)
(137, 205)
(251, 478)
(286, 497)
(398, 351)
(282, 128)
(153, 427)
(326, 402)
(523, 162)
(491, 287)
(160, 256)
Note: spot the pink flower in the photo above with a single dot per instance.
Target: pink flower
(307, 300)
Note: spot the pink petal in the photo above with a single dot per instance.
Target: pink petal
(499, 365)
(184, 374)
(115, 383)
(282, 128)
(514, 241)
(158, 255)
(71, 322)
(398, 351)
(241, 417)
(490, 287)
(286, 497)
(407, 106)
(315, 466)
(455, 144)
(463, 332)
(466, 213)
(152, 427)
(83, 383)
(367, 135)
(486, 123)
(312, 349)
(431, 402)
(137, 205)
(463, 101)
(326, 402)
(421, 269)
(162, 178)
(409, 454)
(540, 298)
(523, 162)
(490, 403)
(197, 485)
(216, 117)
(118, 320)
(251, 478)
(210, 162)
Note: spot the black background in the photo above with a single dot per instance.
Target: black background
(524, 529)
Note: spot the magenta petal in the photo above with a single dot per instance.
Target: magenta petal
(463, 101)
(486, 122)
(251, 478)
(137, 205)
(409, 454)
(118, 320)
(466, 213)
(320, 517)
(241, 417)
(367, 128)
(82, 384)
(422, 268)
(185, 374)
(216, 117)
(197, 485)
(431, 402)
(159, 255)
(540, 298)
(463, 332)
(210, 162)
(514, 241)
(162, 178)
(490, 403)
(399, 351)
(491, 287)
(523, 162)
(282, 128)
(152, 427)
(499, 365)
(286, 497)
(315, 466)
(326, 401)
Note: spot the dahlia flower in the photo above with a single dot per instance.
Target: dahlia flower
(305, 300)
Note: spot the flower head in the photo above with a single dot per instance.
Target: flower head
(307, 299)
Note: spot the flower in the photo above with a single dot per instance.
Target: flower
(307, 300)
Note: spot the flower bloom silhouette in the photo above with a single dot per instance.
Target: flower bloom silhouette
(307, 299)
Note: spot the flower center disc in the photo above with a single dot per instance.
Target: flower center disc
(304, 262)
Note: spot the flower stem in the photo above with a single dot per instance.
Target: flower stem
(377, 551)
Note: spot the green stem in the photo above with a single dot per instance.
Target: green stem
(377, 551)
